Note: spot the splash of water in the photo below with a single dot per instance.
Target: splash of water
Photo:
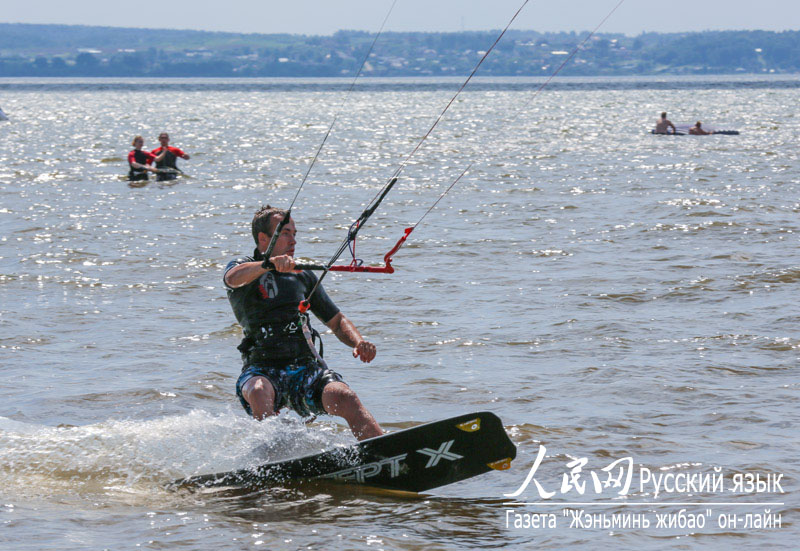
(142, 455)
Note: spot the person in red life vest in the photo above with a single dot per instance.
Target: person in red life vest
(168, 162)
(140, 161)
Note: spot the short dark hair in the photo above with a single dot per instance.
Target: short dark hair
(262, 218)
(664, 115)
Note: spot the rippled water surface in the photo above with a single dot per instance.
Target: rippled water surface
(606, 292)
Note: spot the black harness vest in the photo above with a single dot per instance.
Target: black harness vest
(136, 174)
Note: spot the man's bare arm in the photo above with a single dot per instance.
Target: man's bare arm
(346, 332)
(248, 272)
(243, 274)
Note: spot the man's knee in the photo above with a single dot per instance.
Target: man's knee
(338, 397)
(258, 389)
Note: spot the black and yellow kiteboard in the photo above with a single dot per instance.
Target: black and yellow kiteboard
(411, 460)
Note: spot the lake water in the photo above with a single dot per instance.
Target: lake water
(608, 293)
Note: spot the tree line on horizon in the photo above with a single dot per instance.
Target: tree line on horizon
(84, 51)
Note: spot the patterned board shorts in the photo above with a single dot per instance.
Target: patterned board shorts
(298, 387)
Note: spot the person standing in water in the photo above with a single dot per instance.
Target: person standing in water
(169, 160)
(140, 161)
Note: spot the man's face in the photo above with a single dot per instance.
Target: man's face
(163, 139)
(286, 241)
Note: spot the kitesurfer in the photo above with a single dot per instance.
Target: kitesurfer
(140, 161)
(663, 125)
(697, 130)
(169, 160)
(281, 365)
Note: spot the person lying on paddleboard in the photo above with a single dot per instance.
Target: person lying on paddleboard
(281, 367)
(663, 125)
(169, 160)
(140, 161)
(697, 130)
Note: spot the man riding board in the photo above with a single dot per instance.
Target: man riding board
(281, 365)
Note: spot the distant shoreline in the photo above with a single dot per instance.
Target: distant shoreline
(372, 84)
(83, 51)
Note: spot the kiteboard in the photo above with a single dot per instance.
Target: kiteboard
(410, 460)
(682, 133)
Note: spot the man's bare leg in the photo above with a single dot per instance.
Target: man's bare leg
(260, 395)
(339, 399)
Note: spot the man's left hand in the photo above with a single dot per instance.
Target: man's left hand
(365, 350)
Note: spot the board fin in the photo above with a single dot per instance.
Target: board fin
(501, 465)
(470, 426)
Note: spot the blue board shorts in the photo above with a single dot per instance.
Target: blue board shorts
(297, 386)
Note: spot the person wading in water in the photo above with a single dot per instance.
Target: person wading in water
(171, 155)
(140, 161)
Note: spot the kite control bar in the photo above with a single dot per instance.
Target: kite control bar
(355, 265)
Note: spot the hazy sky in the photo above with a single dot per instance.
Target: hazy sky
(328, 16)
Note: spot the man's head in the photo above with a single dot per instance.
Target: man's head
(265, 220)
(163, 138)
(699, 124)
(664, 115)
